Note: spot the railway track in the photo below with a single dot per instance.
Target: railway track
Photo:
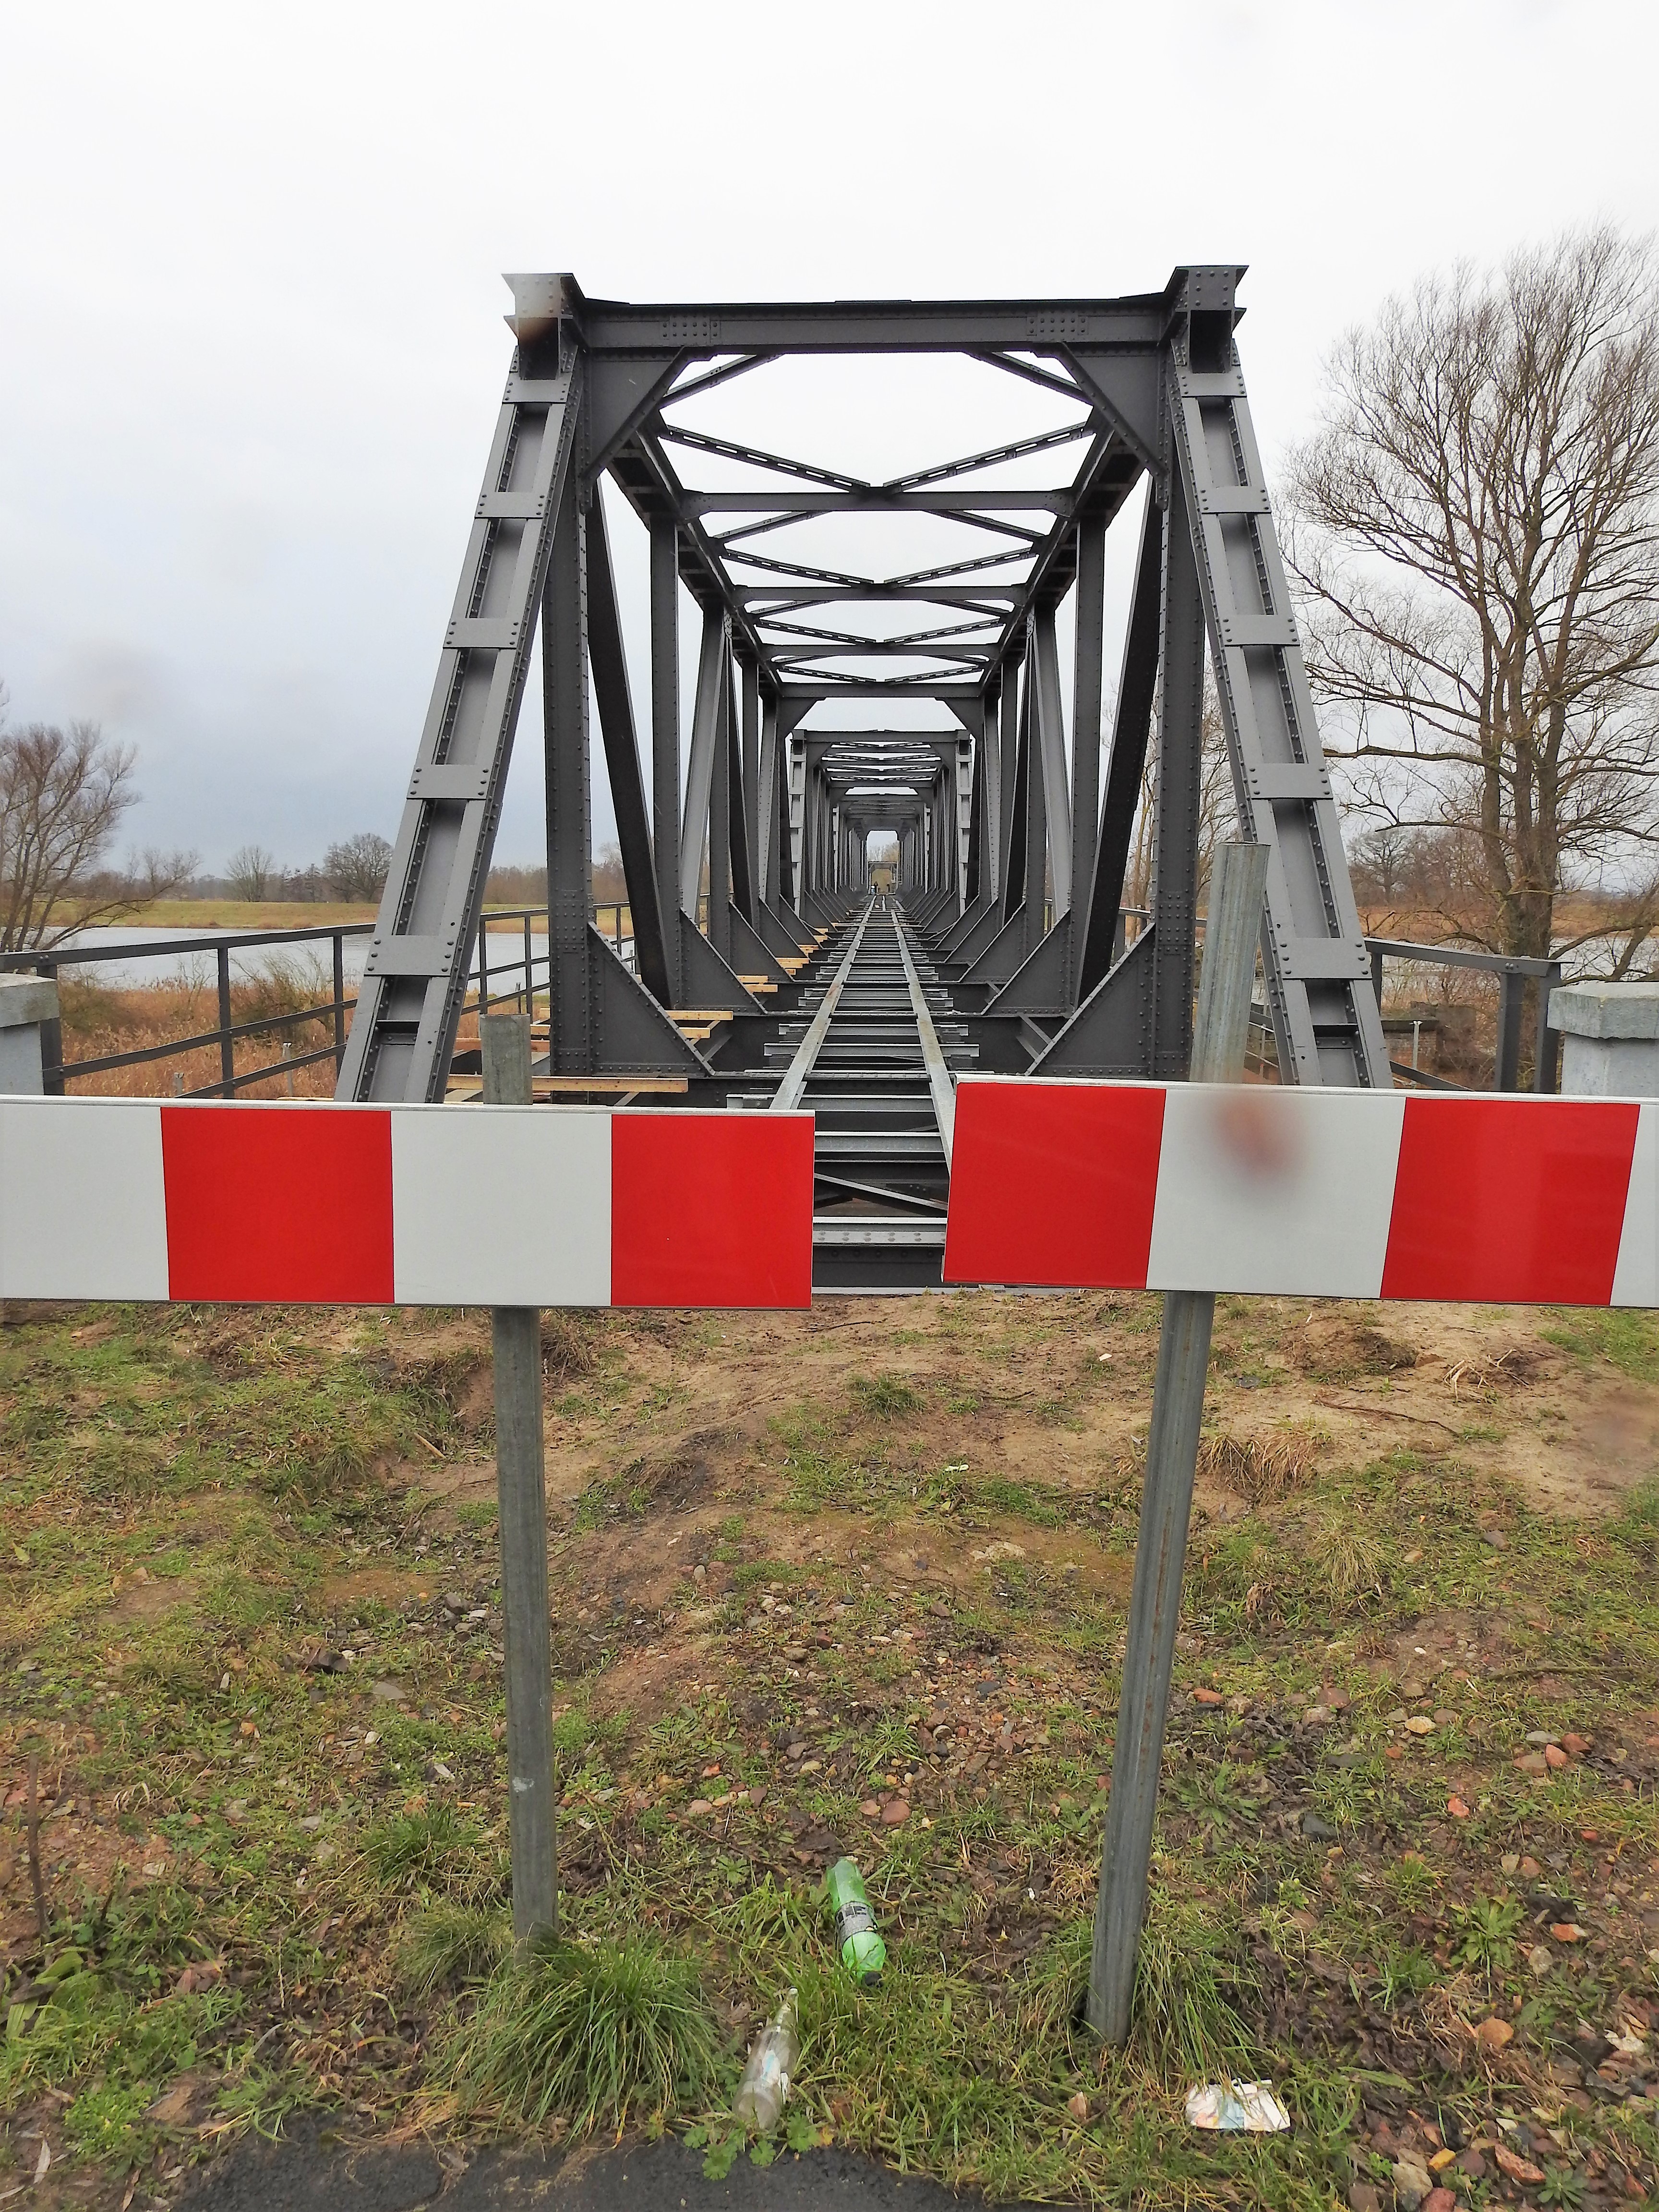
(872, 1050)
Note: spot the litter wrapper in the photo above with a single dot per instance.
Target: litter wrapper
(1248, 2107)
(862, 1951)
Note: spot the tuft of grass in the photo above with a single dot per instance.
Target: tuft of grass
(890, 1397)
(1191, 1981)
(1255, 1470)
(446, 1946)
(434, 1849)
(616, 2033)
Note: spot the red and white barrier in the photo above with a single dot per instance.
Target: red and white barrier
(1315, 1193)
(315, 1203)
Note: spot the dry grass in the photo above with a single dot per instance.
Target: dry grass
(100, 1023)
(1254, 1470)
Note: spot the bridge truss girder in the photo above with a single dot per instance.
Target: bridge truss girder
(990, 812)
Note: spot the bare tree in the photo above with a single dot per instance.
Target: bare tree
(63, 794)
(358, 867)
(1475, 532)
(249, 872)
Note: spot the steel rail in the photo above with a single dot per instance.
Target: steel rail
(800, 1067)
(940, 1084)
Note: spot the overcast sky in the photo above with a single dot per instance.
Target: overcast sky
(250, 263)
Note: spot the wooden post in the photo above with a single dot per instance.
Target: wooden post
(521, 1490)
(1237, 883)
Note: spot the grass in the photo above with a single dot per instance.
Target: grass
(276, 1877)
(603, 2036)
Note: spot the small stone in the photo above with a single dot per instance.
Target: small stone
(1457, 1808)
(1518, 2168)
(1530, 1869)
(1363, 2196)
(1443, 2158)
(699, 1806)
(1206, 1697)
(1533, 1762)
(1539, 1737)
(1566, 1931)
(1539, 1958)
(812, 1766)
(1410, 2183)
(1576, 1745)
(1472, 2163)
(1554, 1756)
(1078, 2107)
(1316, 1716)
(1446, 1718)
(1492, 2034)
(1509, 1862)
(1439, 2200)
(699, 1574)
(870, 1809)
(390, 1693)
(1420, 1724)
(172, 2109)
(894, 1813)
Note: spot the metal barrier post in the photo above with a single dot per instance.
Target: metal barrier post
(52, 1039)
(227, 1043)
(521, 1491)
(339, 1000)
(1546, 1074)
(1510, 990)
(1237, 890)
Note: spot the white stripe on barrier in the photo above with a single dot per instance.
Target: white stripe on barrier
(507, 1207)
(82, 1204)
(1636, 1277)
(1274, 1190)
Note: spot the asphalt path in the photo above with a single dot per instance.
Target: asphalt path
(315, 2169)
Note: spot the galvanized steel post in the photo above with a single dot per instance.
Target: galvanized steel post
(1232, 928)
(521, 1491)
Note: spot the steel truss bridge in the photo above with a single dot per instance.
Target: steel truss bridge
(874, 653)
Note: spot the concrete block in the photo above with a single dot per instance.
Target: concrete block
(1610, 1038)
(26, 1001)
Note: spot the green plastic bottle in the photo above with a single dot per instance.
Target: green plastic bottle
(862, 1951)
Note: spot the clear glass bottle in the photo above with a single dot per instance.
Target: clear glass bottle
(765, 2084)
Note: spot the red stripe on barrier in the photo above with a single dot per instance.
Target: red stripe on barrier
(711, 1210)
(278, 1203)
(1499, 1200)
(1054, 1183)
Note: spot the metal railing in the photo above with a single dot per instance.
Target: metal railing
(334, 1010)
(1513, 974)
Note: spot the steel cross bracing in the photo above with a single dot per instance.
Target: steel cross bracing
(875, 652)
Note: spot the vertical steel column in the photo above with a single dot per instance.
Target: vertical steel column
(1180, 776)
(1036, 813)
(1085, 737)
(521, 1493)
(988, 785)
(767, 808)
(569, 838)
(751, 829)
(666, 739)
(708, 729)
(719, 821)
(1050, 730)
(1223, 1019)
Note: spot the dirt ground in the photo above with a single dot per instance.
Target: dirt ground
(851, 1581)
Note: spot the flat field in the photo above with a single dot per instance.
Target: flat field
(850, 1581)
